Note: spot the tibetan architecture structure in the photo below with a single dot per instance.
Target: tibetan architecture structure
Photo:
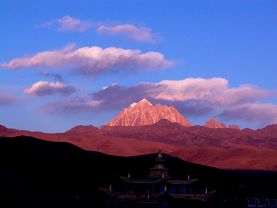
(158, 190)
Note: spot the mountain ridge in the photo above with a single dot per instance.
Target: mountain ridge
(144, 113)
(221, 148)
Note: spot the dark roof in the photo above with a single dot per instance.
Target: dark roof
(154, 180)
(159, 168)
(181, 182)
(141, 181)
(132, 196)
(200, 197)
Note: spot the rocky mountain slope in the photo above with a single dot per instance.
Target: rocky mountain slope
(144, 113)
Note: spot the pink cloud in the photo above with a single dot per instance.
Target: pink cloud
(132, 32)
(68, 23)
(43, 88)
(214, 90)
(93, 60)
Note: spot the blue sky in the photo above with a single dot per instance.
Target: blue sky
(218, 50)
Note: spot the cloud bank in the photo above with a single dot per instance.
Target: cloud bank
(92, 60)
(192, 97)
(43, 88)
(215, 91)
(191, 91)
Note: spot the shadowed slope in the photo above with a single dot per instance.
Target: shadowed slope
(37, 173)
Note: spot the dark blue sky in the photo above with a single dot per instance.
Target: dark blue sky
(235, 41)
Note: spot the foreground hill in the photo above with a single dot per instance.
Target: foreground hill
(39, 173)
(222, 148)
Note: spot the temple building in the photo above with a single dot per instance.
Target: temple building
(158, 190)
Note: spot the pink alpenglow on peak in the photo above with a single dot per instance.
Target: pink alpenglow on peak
(145, 101)
(213, 123)
(144, 113)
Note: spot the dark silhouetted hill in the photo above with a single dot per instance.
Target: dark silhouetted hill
(39, 173)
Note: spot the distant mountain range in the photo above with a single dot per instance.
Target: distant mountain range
(218, 147)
